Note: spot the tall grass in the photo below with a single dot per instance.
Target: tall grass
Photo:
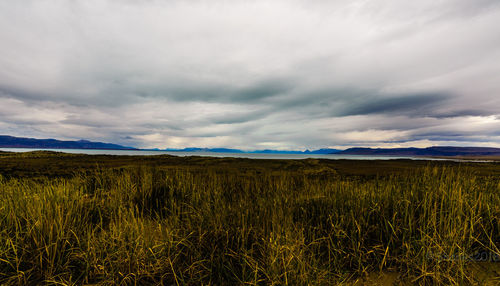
(151, 226)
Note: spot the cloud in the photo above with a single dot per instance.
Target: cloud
(287, 74)
(418, 104)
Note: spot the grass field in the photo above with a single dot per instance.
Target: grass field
(78, 219)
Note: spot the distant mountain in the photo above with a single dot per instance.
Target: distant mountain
(323, 151)
(195, 149)
(430, 151)
(270, 151)
(19, 142)
(264, 151)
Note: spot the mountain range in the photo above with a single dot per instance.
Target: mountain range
(263, 151)
(19, 142)
(429, 151)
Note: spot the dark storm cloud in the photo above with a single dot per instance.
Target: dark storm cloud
(415, 104)
(344, 102)
(22, 94)
(253, 93)
(464, 112)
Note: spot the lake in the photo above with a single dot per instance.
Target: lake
(213, 154)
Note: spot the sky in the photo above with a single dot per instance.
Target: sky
(274, 74)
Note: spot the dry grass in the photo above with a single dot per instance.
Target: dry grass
(148, 225)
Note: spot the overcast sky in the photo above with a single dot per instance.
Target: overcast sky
(252, 74)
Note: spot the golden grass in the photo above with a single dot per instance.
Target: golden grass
(147, 225)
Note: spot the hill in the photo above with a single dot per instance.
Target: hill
(430, 151)
(20, 142)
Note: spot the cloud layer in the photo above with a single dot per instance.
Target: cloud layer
(252, 74)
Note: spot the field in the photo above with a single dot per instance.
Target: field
(79, 219)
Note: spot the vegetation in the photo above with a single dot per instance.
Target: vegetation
(76, 219)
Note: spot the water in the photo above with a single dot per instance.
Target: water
(221, 155)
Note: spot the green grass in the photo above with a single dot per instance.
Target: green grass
(229, 221)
